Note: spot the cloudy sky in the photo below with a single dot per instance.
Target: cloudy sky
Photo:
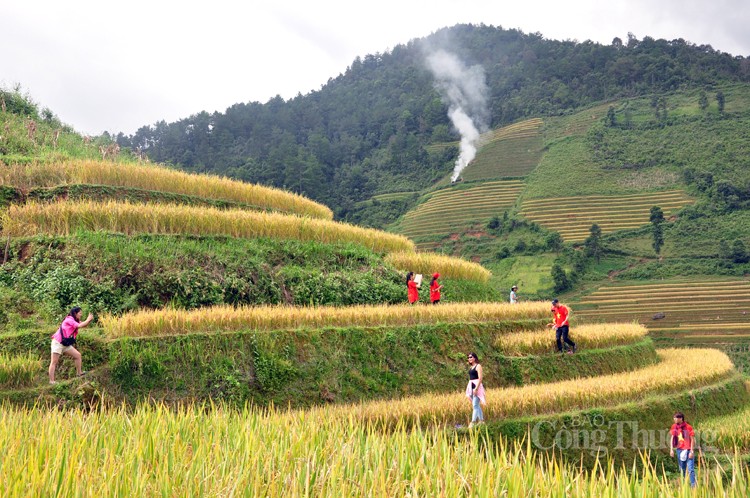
(116, 66)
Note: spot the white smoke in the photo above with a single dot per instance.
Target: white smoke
(465, 91)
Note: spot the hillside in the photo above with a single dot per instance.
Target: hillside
(254, 333)
(381, 126)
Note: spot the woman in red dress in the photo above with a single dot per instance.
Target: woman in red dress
(412, 289)
(435, 289)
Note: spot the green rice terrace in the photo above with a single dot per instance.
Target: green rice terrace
(572, 217)
(447, 210)
(716, 310)
(511, 151)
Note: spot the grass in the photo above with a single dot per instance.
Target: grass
(64, 218)
(530, 273)
(579, 123)
(227, 318)
(447, 266)
(159, 178)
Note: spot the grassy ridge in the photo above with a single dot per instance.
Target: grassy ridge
(159, 178)
(732, 430)
(711, 366)
(66, 217)
(110, 273)
(343, 364)
(318, 366)
(134, 195)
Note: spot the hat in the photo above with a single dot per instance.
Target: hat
(555, 301)
(514, 287)
(435, 275)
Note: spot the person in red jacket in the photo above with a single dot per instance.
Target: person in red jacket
(560, 323)
(683, 440)
(435, 289)
(412, 289)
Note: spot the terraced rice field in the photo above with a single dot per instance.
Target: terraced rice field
(576, 124)
(450, 210)
(511, 151)
(701, 309)
(573, 216)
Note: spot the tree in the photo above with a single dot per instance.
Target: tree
(725, 252)
(554, 242)
(560, 278)
(720, 100)
(655, 106)
(703, 101)
(739, 252)
(657, 218)
(593, 243)
(611, 119)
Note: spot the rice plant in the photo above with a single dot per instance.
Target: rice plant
(265, 318)
(153, 177)
(215, 451)
(428, 263)
(586, 337)
(18, 370)
(64, 218)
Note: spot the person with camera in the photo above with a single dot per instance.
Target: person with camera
(64, 340)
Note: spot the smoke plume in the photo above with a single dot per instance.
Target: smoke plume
(465, 92)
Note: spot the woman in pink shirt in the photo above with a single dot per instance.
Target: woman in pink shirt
(67, 332)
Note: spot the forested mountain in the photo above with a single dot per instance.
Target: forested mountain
(367, 130)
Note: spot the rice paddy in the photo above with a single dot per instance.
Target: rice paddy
(266, 318)
(159, 178)
(64, 218)
(692, 306)
(456, 209)
(572, 217)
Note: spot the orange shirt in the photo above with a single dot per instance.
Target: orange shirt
(412, 292)
(561, 316)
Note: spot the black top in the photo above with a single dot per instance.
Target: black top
(473, 374)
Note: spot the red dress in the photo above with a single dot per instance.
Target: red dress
(435, 291)
(412, 291)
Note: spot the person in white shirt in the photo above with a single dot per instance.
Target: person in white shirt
(513, 295)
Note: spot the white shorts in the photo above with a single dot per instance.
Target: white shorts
(59, 348)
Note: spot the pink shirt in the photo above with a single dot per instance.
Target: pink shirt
(69, 328)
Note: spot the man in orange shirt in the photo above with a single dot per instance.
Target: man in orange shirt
(683, 440)
(560, 322)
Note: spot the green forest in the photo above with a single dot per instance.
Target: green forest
(375, 128)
